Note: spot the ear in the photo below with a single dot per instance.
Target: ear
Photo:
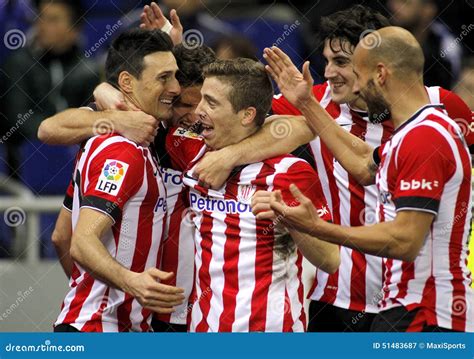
(248, 116)
(381, 74)
(125, 82)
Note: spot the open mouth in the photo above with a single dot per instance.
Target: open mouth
(337, 84)
(205, 129)
(166, 101)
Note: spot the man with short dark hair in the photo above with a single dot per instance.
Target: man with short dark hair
(119, 203)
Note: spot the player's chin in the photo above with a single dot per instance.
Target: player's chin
(342, 96)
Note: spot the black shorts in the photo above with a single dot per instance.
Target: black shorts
(325, 317)
(163, 327)
(65, 328)
(399, 319)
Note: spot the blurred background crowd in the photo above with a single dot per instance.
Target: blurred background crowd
(52, 54)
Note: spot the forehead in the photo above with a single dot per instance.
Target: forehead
(160, 62)
(190, 93)
(215, 87)
(334, 47)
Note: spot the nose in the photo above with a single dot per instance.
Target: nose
(329, 71)
(356, 87)
(199, 110)
(174, 87)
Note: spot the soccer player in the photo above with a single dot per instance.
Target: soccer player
(248, 272)
(348, 299)
(423, 177)
(119, 204)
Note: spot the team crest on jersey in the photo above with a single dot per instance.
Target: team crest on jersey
(182, 132)
(111, 177)
(245, 193)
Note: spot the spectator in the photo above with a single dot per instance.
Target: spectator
(227, 48)
(442, 51)
(47, 75)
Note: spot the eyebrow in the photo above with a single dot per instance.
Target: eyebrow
(168, 72)
(210, 99)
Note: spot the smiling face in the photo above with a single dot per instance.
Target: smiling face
(338, 71)
(221, 124)
(185, 106)
(155, 89)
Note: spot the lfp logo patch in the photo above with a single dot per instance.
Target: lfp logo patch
(111, 177)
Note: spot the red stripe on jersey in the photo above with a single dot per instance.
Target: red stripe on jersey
(83, 290)
(95, 323)
(287, 318)
(299, 263)
(263, 279)
(408, 273)
(204, 276)
(230, 268)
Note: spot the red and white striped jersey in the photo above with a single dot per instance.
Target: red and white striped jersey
(248, 271)
(426, 167)
(358, 282)
(122, 180)
(178, 244)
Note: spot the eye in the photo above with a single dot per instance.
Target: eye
(164, 78)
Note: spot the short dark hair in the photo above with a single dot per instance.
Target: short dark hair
(191, 62)
(74, 6)
(128, 50)
(250, 84)
(350, 25)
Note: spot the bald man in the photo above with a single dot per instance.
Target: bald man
(422, 175)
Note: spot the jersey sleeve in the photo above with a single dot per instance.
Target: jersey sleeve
(458, 110)
(306, 179)
(114, 175)
(183, 146)
(424, 163)
(67, 202)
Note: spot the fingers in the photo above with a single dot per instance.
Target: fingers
(267, 215)
(307, 72)
(175, 21)
(158, 274)
(282, 57)
(272, 74)
(145, 21)
(156, 11)
(299, 196)
(272, 60)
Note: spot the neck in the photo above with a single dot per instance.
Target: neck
(409, 96)
(358, 104)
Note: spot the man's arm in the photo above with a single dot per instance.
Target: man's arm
(61, 238)
(88, 250)
(279, 135)
(354, 154)
(73, 126)
(401, 238)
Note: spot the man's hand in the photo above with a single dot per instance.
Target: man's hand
(152, 18)
(137, 126)
(108, 97)
(303, 218)
(151, 294)
(294, 85)
(214, 168)
(261, 205)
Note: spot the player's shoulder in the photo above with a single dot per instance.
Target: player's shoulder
(114, 145)
(287, 164)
